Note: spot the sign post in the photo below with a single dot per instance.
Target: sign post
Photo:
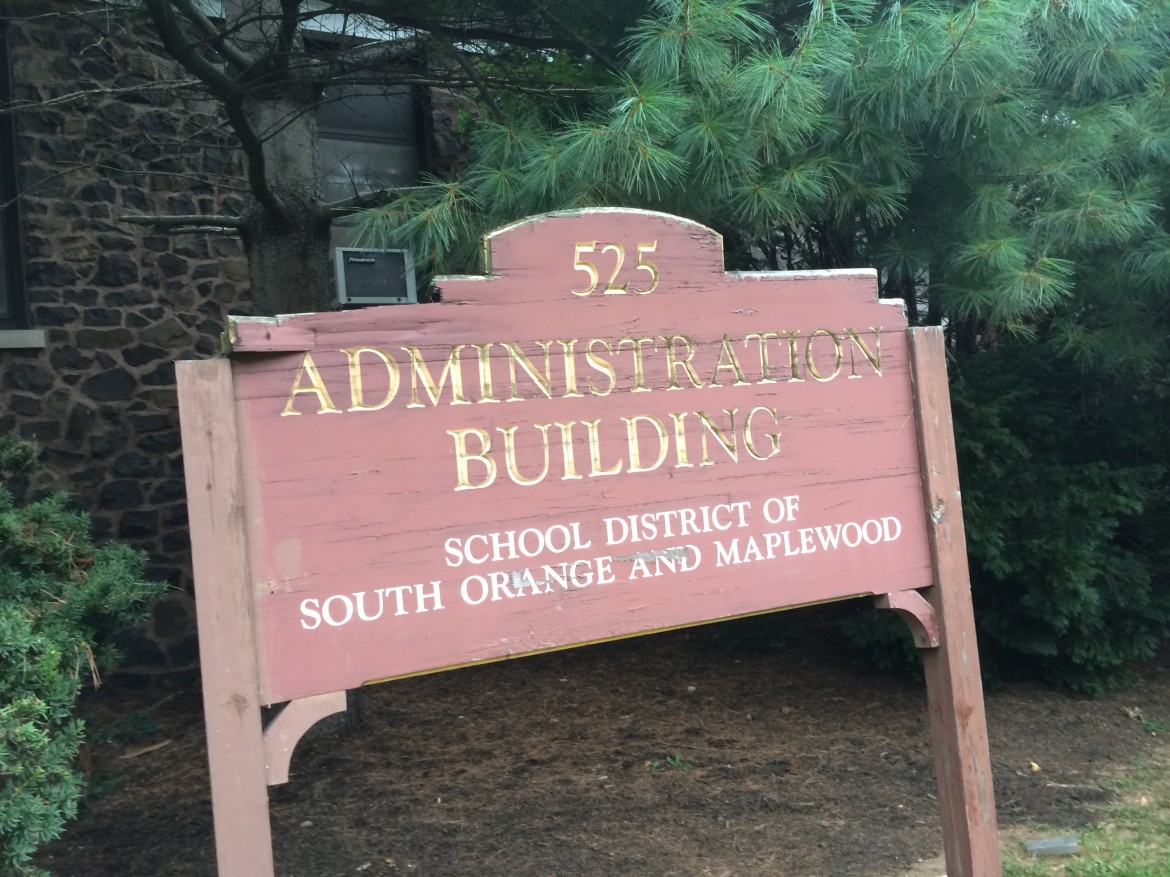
(953, 686)
(606, 435)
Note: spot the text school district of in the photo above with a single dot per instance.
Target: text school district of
(765, 541)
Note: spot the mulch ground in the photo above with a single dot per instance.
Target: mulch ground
(662, 756)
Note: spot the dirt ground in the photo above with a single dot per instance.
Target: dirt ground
(664, 756)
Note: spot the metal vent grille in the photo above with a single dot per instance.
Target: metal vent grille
(368, 277)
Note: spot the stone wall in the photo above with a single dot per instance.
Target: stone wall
(97, 141)
(107, 126)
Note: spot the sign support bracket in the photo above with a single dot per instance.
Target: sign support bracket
(286, 728)
(918, 614)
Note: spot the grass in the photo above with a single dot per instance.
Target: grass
(1132, 838)
(671, 762)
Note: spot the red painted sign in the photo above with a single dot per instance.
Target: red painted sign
(608, 435)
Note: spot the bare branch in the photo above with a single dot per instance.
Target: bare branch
(228, 91)
(223, 182)
(358, 203)
(465, 64)
(216, 37)
(221, 85)
(598, 55)
(85, 93)
(456, 83)
(390, 55)
(395, 17)
(290, 22)
(184, 224)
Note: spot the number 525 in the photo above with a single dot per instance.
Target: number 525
(604, 248)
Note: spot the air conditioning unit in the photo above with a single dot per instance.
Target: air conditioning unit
(374, 277)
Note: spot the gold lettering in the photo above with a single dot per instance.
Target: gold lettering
(586, 266)
(601, 365)
(726, 439)
(463, 457)
(356, 397)
(873, 356)
(516, 356)
(567, 450)
(635, 447)
(808, 356)
(612, 288)
(725, 350)
(765, 363)
(484, 361)
(569, 354)
(649, 267)
(673, 363)
(595, 452)
(316, 387)
(637, 345)
(421, 374)
(682, 461)
(509, 433)
(793, 355)
(773, 437)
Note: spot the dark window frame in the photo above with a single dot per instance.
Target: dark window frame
(341, 121)
(13, 305)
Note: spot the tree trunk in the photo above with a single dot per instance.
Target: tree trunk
(288, 263)
(286, 225)
(288, 250)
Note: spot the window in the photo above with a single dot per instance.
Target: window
(369, 140)
(12, 311)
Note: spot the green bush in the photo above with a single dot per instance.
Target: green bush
(61, 600)
(1064, 497)
(1066, 506)
(1064, 485)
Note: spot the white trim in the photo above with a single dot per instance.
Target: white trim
(807, 274)
(18, 339)
(598, 211)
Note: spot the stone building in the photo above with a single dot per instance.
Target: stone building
(94, 310)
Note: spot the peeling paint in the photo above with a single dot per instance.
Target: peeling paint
(936, 513)
(668, 553)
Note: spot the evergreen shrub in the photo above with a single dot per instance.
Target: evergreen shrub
(1003, 165)
(62, 599)
(1064, 498)
(1065, 506)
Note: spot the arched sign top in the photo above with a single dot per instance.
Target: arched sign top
(594, 255)
(630, 248)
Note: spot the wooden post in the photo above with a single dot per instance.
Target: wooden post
(224, 612)
(954, 688)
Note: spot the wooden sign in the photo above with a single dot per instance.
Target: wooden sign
(606, 435)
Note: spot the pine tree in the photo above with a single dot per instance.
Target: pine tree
(995, 160)
(1004, 166)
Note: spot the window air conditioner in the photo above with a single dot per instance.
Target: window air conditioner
(374, 277)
